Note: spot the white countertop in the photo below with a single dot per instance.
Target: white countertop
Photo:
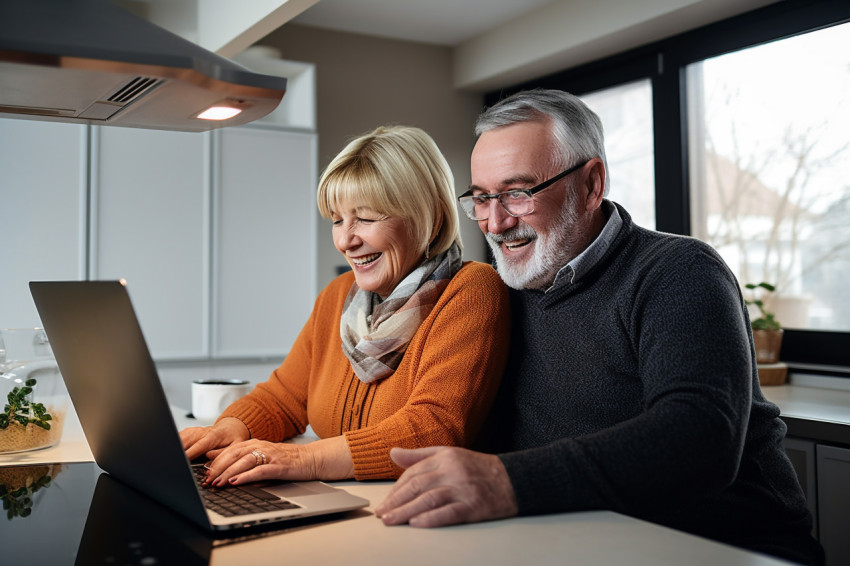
(811, 403)
(802, 402)
(587, 538)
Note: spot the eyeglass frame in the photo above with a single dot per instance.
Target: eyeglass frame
(528, 192)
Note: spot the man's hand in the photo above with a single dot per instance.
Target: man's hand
(445, 486)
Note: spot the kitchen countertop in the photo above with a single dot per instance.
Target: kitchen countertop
(810, 412)
(813, 412)
(597, 537)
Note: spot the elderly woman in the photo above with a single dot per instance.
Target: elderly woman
(407, 349)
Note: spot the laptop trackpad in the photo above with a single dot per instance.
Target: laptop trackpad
(298, 489)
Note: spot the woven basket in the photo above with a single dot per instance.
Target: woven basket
(768, 343)
(772, 374)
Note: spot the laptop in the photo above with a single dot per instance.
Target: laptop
(116, 391)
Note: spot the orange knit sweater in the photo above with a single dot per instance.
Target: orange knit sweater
(439, 395)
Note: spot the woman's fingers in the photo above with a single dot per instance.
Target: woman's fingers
(230, 462)
(253, 460)
(209, 441)
(197, 441)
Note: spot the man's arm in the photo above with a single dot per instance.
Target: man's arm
(687, 443)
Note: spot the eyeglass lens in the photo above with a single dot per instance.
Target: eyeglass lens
(515, 203)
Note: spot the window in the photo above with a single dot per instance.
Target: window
(732, 104)
(626, 113)
(770, 170)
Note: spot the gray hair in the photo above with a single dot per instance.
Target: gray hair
(576, 128)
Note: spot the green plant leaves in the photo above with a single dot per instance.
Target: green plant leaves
(767, 320)
(20, 409)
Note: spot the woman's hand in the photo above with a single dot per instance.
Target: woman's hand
(255, 460)
(210, 440)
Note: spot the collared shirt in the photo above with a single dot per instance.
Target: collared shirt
(582, 263)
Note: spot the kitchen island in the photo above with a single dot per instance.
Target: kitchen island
(84, 515)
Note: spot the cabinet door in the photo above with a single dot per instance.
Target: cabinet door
(834, 503)
(43, 187)
(265, 243)
(150, 226)
(801, 452)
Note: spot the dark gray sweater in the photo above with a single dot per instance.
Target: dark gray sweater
(635, 389)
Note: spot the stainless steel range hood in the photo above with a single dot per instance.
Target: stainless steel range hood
(90, 61)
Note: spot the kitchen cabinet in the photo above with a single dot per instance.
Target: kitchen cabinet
(150, 226)
(43, 200)
(801, 452)
(214, 232)
(816, 410)
(264, 259)
(833, 473)
(824, 474)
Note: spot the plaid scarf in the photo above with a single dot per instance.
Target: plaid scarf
(375, 333)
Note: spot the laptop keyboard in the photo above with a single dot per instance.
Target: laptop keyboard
(238, 500)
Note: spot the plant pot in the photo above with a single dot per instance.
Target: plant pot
(768, 343)
(772, 374)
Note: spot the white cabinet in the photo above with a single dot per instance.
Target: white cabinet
(264, 244)
(43, 188)
(150, 226)
(214, 232)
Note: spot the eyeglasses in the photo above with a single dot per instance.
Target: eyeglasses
(516, 202)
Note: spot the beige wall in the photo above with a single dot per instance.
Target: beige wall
(363, 82)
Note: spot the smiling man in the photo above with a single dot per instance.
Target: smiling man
(529, 255)
(631, 382)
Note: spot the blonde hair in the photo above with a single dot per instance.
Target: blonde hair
(397, 171)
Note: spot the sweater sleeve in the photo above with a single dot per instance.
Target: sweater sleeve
(276, 409)
(457, 366)
(690, 334)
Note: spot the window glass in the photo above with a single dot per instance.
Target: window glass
(626, 114)
(770, 170)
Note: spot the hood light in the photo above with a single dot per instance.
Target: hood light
(219, 113)
(224, 109)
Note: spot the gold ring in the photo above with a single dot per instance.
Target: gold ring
(257, 457)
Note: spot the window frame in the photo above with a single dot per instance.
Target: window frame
(664, 63)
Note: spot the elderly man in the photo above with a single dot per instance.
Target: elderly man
(631, 383)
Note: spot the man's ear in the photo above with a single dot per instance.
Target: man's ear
(594, 172)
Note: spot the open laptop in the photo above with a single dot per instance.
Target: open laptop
(116, 391)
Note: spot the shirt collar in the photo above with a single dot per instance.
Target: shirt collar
(584, 261)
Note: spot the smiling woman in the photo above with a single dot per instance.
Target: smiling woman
(379, 248)
(401, 351)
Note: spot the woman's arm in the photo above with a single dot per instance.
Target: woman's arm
(454, 368)
(276, 409)
(456, 362)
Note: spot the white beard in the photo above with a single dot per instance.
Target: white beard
(552, 251)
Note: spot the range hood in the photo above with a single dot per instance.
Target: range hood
(92, 62)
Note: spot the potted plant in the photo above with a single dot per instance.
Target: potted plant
(33, 398)
(767, 336)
